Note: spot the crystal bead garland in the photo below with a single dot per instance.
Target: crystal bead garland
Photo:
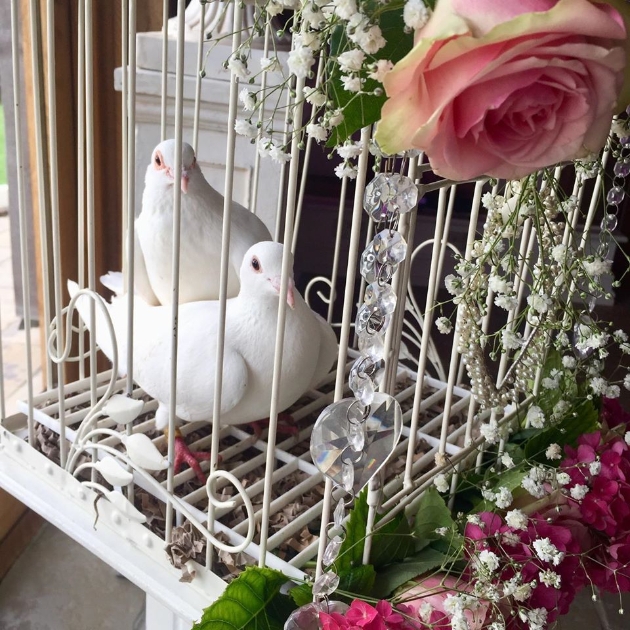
(614, 197)
(354, 437)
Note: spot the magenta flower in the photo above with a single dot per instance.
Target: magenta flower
(363, 616)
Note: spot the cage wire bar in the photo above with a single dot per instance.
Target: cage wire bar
(439, 414)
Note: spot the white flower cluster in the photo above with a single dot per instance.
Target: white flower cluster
(534, 292)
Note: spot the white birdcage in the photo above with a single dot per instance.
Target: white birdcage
(265, 502)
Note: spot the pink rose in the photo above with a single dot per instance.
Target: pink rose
(505, 87)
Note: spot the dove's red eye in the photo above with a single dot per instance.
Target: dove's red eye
(158, 161)
(256, 266)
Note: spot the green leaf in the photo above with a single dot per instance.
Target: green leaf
(391, 542)
(395, 575)
(365, 109)
(351, 552)
(251, 602)
(358, 580)
(302, 594)
(433, 513)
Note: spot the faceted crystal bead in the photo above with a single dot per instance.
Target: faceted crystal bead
(339, 513)
(625, 141)
(404, 193)
(329, 439)
(376, 197)
(325, 584)
(609, 222)
(622, 167)
(381, 296)
(390, 247)
(307, 617)
(364, 378)
(368, 264)
(362, 387)
(372, 346)
(332, 551)
(347, 476)
(356, 436)
(614, 197)
(371, 320)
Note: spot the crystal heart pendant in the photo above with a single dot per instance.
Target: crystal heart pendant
(330, 440)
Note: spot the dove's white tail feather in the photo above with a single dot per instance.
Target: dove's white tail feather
(117, 313)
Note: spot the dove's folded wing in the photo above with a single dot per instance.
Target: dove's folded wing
(195, 389)
(141, 277)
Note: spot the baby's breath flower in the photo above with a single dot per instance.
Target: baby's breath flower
(334, 118)
(345, 9)
(351, 60)
(317, 132)
(345, 170)
(278, 155)
(597, 267)
(415, 14)
(516, 519)
(269, 64)
(595, 468)
(300, 61)
(443, 324)
(245, 128)
(248, 99)
(535, 417)
(314, 96)
(441, 483)
(563, 479)
(553, 452)
(239, 68)
(490, 432)
(489, 560)
(351, 82)
(599, 385)
(547, 551)
(539, 302)
(549, 578)
(579, 491)
(349, 150)
(379, 69)
(503, 498)
(507, 460)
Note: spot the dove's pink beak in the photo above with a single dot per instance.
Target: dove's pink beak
(185, 178)
(275, 283)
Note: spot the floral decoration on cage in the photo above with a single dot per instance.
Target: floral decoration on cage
(534, 513)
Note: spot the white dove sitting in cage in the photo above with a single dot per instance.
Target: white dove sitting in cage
(201, 229)
(310, 348)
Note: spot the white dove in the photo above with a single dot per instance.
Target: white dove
(201, 228)
(310, 348)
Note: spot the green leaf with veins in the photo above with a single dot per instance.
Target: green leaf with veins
(360, 110)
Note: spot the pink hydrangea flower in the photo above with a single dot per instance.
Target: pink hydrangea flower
(363, 616)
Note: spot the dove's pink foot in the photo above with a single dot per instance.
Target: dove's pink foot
(183, 454)
(286, 425)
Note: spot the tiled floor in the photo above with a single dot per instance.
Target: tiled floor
(58, 585)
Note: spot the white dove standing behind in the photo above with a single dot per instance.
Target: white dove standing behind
(310, 346)
(201, 227)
